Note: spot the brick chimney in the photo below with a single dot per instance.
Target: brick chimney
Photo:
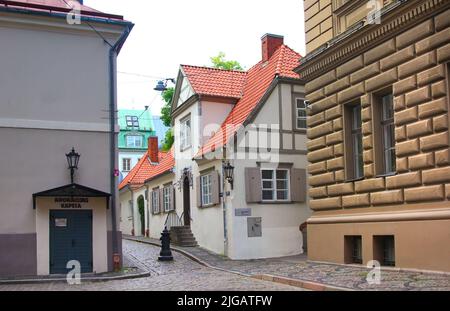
(153, 149)
(270, 43)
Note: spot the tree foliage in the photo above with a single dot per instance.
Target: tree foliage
(167, 96)
(166, 117)
(220, 62)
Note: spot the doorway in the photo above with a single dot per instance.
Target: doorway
(70, 239)
(141, 209)
(187, 202)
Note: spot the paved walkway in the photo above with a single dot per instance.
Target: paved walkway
(182, 274)
(341, 276)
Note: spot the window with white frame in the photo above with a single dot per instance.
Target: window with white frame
(155, 201)
(132, 122)
(301, 114)
(134, 141)
(166, 199)
(126, 164)
(185, 133)
(206, 189)
(275, 184)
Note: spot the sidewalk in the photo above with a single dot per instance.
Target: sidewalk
(131, 270)
(298, 271)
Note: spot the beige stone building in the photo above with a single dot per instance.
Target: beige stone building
(377, 79)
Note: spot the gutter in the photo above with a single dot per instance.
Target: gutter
(113, 53)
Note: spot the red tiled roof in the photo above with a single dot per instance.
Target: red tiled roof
(55, 6)
(259, 78)
(216, 82)
(146, 170)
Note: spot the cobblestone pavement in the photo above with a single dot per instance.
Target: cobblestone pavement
(180, 275)
(351, 277)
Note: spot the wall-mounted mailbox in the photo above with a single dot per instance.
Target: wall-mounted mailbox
(254, 227)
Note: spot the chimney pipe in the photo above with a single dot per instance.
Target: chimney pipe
(270, 43)
(153, 150)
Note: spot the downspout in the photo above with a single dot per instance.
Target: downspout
(224, 210)
(113, 52)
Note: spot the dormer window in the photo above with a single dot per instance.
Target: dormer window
(134, 141)
(132, 122)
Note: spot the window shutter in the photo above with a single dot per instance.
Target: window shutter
(253, 192)
(161, 200)
(152, 208)
(298, 185)
(198, 190)
(215, 187)
(172, 197)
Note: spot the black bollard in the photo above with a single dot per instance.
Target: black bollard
(166, 253)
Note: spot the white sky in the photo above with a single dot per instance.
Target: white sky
(168, 33)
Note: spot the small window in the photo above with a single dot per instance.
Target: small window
(353, 249)
(134, 141)
(354, 144)
(275, 185)
(126, 164)
(166, 199)
(384, 250)
(185, 133)
(155, 201)
(206, 189)
(132, 122)
(301, 114)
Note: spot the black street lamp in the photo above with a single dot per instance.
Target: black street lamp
(229, 173)
(72, 159)
(161, 86)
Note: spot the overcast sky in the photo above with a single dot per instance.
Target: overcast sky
(168, 33)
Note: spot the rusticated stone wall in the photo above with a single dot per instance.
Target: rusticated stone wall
(415, 65)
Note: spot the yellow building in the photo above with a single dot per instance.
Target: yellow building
(377, 79)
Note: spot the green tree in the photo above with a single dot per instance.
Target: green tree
(168, 140)
(167, 96)
(166, 117)
(220, 62)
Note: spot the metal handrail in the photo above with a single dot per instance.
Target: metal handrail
(173, 220)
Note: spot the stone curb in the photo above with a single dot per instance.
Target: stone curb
(87, 279)
(264, 277)
(299, 283)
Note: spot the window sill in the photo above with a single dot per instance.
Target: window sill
(386, 175)
(209, 205)
(276, 202)
(354, 179)
(185, 148)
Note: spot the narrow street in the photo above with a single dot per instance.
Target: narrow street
(180, 275)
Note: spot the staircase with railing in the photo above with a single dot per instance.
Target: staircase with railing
(180, 234)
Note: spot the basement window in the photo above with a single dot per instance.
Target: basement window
(353, 249)
(384, 250)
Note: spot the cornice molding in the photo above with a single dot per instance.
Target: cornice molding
(368, 36)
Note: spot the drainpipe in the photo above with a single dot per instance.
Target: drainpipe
(224, 209)
(113, 52)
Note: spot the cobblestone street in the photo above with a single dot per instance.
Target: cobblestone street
(341, 276)
(180, 275)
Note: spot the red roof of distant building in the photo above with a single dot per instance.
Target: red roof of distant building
(258, 80)
(216, 82)
(56, 6)
(145, 170)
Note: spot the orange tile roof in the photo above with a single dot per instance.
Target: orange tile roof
(146, 170)
(216, 82)
(259, 78)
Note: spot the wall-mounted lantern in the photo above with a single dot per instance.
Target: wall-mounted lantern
(72, 159)
(228, 170)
